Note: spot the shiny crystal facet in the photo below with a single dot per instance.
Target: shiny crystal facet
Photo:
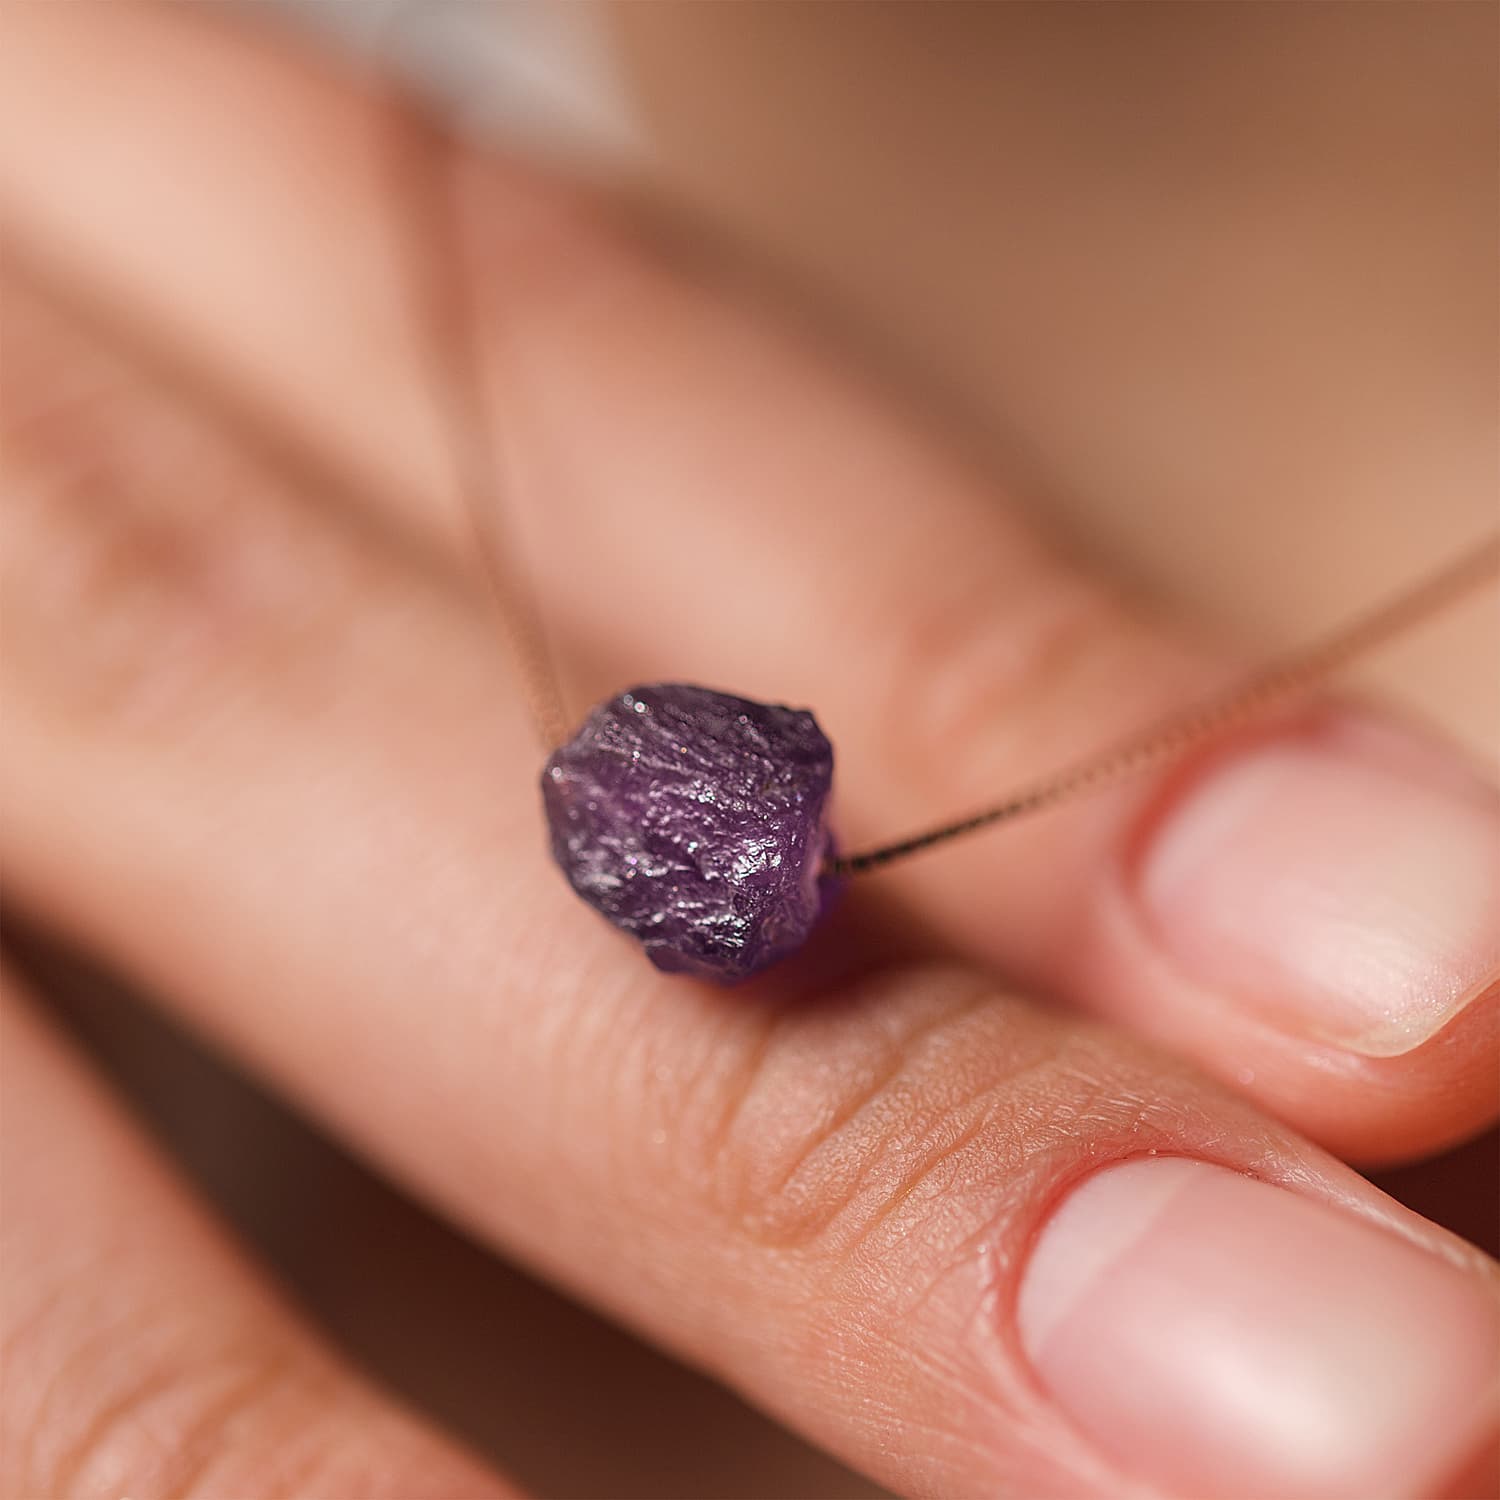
(696, 822)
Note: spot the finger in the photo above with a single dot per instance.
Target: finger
(1310, 913)
(141, 1355)
(252, 753)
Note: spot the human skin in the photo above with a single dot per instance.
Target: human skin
(1219, 279)
(259, 754)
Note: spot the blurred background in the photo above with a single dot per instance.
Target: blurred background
(1213, 286)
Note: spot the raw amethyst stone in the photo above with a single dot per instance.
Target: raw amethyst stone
(695, 821)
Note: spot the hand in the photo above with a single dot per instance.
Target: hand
(262, 752)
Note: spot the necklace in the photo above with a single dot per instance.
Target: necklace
(696, 821)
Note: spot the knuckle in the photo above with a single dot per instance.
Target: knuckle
(859, 1131)
(986, 672)
(143, 554)
(128, 1399)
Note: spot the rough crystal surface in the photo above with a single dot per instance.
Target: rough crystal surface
(696, 822)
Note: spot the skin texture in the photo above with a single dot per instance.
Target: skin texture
(255, 757)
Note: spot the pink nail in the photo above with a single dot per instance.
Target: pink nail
(1342, 883)
(1226, 1338)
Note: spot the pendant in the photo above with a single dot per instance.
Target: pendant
(696, 822)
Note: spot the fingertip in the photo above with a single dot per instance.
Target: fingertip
(1225, 1337)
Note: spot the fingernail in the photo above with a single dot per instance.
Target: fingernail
(1222, 1337)
(1342, 882)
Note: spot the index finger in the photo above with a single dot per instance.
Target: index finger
(1309, 914)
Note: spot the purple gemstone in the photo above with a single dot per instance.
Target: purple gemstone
(695, 821)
